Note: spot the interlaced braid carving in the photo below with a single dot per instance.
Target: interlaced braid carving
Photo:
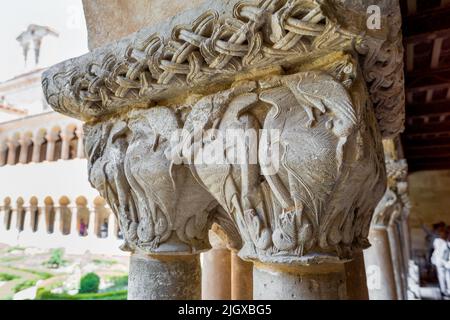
(215, 48)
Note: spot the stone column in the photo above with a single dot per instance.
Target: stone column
(34, 213)
(216, 270)
(37, 143)
(3, 157)
(379, 268)
(51, 144)
(321, 282)
(298, 200)
(80, 146)
(356, 280)
(21, 213)
(49, 214)
(91, 232)
(112, 226)
(24, 142)
(7, 218)
(12, 146)
(397, 260)
(164, 277)
(74, 223)
(241, 278)
(66, 137)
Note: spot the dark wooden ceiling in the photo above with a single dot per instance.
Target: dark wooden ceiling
(426, 32)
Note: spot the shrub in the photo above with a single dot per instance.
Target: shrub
(43, 294)
(24, 285)
(89, 283)
(8, 277)
(120, 281)
(56, 260)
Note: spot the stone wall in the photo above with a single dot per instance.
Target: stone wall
(430, 197)
(109, 20)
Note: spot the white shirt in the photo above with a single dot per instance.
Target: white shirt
(440, 246)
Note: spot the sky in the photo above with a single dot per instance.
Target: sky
(64, 16)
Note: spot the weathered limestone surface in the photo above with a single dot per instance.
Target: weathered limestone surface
(325, 282)
(311, 72)
(164, 277)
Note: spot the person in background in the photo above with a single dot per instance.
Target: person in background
(432, 235)
(83, 228)
(439, 259)
(446, 257)
(104, 229)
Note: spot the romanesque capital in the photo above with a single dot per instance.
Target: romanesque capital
(395, 204)
(308, 88)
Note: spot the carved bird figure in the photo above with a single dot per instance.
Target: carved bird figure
(148, 171)
(106, 147)
(311, 155)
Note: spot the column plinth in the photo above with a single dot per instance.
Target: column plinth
(164, 277)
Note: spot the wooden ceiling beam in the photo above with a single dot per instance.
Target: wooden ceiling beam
(431, 22)
(428, 109)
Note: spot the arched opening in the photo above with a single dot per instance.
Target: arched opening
(58, 148)
(73, 147)
(30, 153)
(43, 151)
(17, 155)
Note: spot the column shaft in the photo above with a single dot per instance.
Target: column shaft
(379, 267)
(355, 272)
(216, 274)
(282, 282)
(241, 278)
(164, 277)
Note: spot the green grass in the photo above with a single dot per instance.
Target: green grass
(15, 249)
(24, 285)
(43, 294)
(40, 274)
(8, 277)
(104, 262)
(11, 259)
(119, 283)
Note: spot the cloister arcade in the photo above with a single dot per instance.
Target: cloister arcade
(42, 145)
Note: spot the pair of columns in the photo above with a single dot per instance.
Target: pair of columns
(388, 258)
(265, 118)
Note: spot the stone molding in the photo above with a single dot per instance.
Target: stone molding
(228, 40)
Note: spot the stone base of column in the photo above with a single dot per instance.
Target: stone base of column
(281, 282)
(241, 278)
(216, 275)
(355, 272)
(175, 277)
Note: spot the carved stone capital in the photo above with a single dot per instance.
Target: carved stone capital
(308, 71)
(395, 204)
(228, 40)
